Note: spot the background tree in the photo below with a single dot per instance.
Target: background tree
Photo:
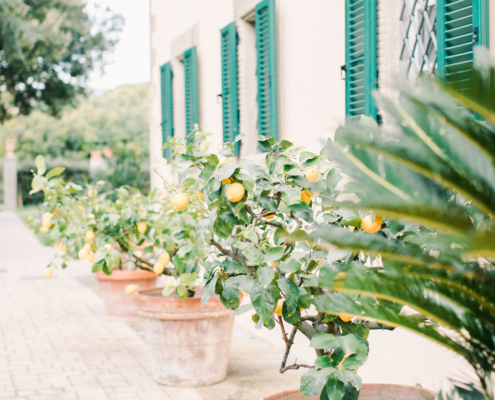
(47, 49)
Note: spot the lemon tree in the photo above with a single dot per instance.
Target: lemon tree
(258, 221)
(118, 229)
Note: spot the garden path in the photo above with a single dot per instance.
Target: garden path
(56, 343)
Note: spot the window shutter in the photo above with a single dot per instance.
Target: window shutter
(361, 69)
(266, 49)
(191, 89)
(167, 106)
(461, 25)
(230, 110)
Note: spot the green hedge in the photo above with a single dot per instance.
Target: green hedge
(78, 172)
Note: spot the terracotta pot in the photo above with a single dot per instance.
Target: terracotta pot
(117, 302)
(189, 345)
(369, 391)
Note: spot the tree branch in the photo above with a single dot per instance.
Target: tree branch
(249, 269)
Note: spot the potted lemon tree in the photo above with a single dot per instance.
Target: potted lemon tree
(258, 222)
(129, 238)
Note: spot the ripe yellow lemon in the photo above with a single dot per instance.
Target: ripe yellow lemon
(370, 226)
(138, 253)
(48, 272)
(226, 181)
(269, 216)
(180, 201)
(89, 236)
(87, 246)
(44, 229)
(200, 195)
(130, 289)
(306, 197)
(170, 282)
(164, 258)
(63, 248)
(345, 317)
(46, 216)
(142, 227)
(56, 211)
(312, 175)
(274, 266)
(92, 216)
(47, 223)
(91, 258)
(351, 228)
(83, 253)
(280, 305)
(158, 268)
(108, 246)
(235, 192)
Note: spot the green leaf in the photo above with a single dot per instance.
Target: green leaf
(291, 292)
(264, 301)
(55, 172)
(291, 265)
(334, 388)
(209, 290)
(265, 275)
(324, 341)
(181, 291)
(168, 290)
(40, 164)
(230, 298)
(313, 380)
(274, 254)
(221, 228)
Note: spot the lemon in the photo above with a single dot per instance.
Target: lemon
(87, 246)
(370, 226)
(92, 192)
(63, 248)
(44, 229)
(164, 258)
(306, 197)
(312, 175)
(83, 253)
(235, 192)
(46, 216)
(200, 195)
(141, 227)
(158, 268)
(48, 272)
(180, 201)
(89, 236)
(351, 228)
(170, 282)
(138, 253)
(56, 211)
(91, 258)
(280, 305)
(226, 181)
(108, 247)
(91, 216)
(269, 216)
(273, 265)
(130, 289)
(345, 317)
(47, 223)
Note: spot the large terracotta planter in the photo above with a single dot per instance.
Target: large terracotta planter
(188, 345)
(369, 391)
(117, 302)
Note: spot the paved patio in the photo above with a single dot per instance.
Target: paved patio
(56, 342)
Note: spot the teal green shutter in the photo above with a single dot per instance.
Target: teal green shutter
(266, 49)
(230, 109)
(461, 25)
(191, 89)
(167, 106)
(361, 68)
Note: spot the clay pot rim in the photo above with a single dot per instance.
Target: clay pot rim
(125, 275)
(370, 385)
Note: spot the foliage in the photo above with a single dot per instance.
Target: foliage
(430, 173)
(134, 229)
(47, 50)
(258, 250)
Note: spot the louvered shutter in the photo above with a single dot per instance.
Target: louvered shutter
(461, 25)
(230, 110)
(191, 89)
(266, 49)
(361, 69)
(167, 106)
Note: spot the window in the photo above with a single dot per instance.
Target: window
(418, 22)
(361, 69)
(230, 109)
(191, 89)
(461, 24)
(166, 76)
(266, 51)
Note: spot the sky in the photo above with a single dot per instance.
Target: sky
(130, 61)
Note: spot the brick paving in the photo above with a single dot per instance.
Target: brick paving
(56, 343)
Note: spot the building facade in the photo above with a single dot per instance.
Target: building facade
(296, 69)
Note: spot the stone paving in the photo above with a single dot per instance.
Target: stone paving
(57, 343)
